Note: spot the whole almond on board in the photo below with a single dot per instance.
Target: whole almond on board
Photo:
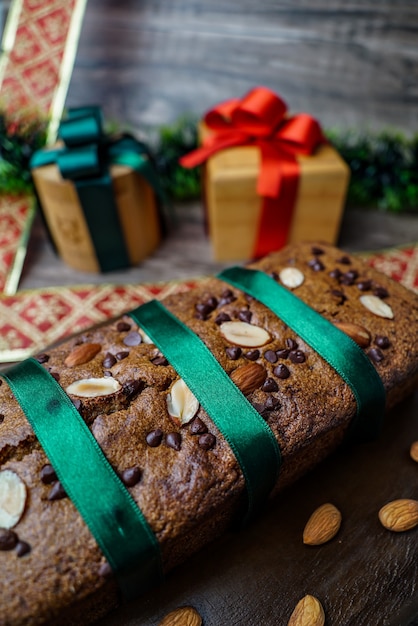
(322, 526)
(357, 333)
(249, 377)
(83, 353)
(308, 612)
(184, 616)
(244, 334)
(414, 451)
(399, 515)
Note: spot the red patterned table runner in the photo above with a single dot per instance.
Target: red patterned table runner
(33, 319)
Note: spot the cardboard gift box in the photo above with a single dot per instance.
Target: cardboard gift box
(247, 218)
(98, 200)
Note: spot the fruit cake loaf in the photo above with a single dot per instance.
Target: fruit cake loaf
(169, 453)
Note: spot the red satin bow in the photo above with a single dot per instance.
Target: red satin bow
(259, 119)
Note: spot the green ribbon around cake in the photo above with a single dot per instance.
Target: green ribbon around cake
(116, 522)
(85, 159)
(108, 509)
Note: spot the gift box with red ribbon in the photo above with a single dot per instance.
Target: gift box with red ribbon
(270, 178)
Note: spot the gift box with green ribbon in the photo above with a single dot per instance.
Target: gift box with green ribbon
(98, 195)
(270, 178)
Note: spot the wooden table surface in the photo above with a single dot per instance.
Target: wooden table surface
(186, 252)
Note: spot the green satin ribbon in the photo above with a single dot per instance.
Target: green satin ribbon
(248, 435)
(339, 350)
(103, 501)
(85, 159)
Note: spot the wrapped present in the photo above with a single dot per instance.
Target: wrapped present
(269, 178)
(98, 195)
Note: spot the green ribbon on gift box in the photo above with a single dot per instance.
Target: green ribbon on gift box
(85, 159)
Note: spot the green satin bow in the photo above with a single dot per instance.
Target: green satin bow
(85, 159)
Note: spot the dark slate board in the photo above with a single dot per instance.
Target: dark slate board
(365, 576)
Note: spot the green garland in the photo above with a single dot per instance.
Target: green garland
(20, 137)
(384, 165)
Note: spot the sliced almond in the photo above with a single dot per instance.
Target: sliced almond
(249, 377)
(182, 405)
(145, 337)
(244, 334)
(357, 333)
(308, 612)
(81, 354)
(184, 616)
(93, 387)
(12, 498)
(414, 451)
(322, 526)
(377, 306)
(291, 277)
(399, 515)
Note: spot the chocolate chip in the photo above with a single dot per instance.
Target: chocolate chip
(107, 374)
(380, 292)
(57, 492)
(281, 371)
(349, 277)
(173, 440)
(270, 356)
(154, 438)
(274, 275)
(122, 355)
(245, 316)
(260, 408)
(131, 476)
(376, 355)
(123, 327)
(233, 352)
(270, 385)
(227, 293)
(197, 427)
(227, 297)
(105, 571)
(283, 353)
(382, 341)
(109, 360)
(337, 293)
(203, 310)
(364, 285)
(212, 302)
(1, 418)
(221, 318)
(297, 356)
(317, 251)
(335, 273)
(345, 260)
(132, 339)
(77, 403)
(207, 441)
(22, 548)
(132, 387)
(252, 355)
(8, 539)
(55, 375)
(316, 265)
(48, 474)
(272, 403)
(42, 358)
(159, 360)
(291, 343)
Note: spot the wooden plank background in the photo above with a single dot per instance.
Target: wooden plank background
(349, 63)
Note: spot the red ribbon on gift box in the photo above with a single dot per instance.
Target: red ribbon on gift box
(259, 119)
